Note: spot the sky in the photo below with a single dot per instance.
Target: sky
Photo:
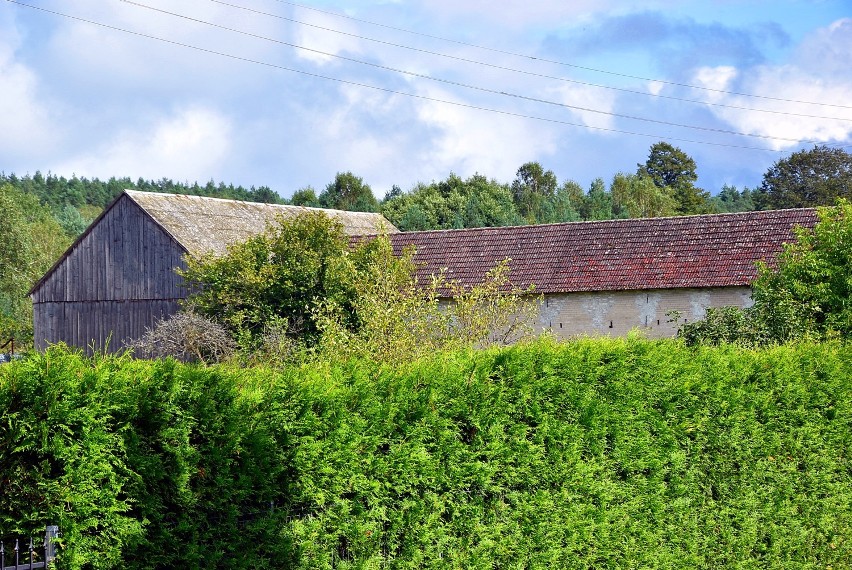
(287, 94)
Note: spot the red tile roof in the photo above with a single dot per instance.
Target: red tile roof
(715, 250)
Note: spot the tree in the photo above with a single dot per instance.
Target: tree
(348, 192)
(597, 204)
(300, 284)
(305, 197)
(401, 319)
(673, 170)
(30, 241)
(532, 188)
(636, 196)
(807, 178)
(264, 195)
(453, 203)
(732, 200)
(276, 277)
(813, 281)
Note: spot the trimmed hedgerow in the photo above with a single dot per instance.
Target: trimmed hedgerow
(597, 453)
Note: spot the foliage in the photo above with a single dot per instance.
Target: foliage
(30, 241)
(186, 336)
(808, 292)
(300, 284)
(814, 275)
(348, 192)
(597, 204)
(807, 178)
(730, 199)
(58, 192)
(598, 453)
(278, 275)
(140, 464)
(532, 188)
(399, 319)
(674, 171)
(636, 196)
(305, 197)
(452, 203)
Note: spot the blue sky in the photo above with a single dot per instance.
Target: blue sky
(736, 84)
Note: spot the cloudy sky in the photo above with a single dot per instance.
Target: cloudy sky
(286, 94)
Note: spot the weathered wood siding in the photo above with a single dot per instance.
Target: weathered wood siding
(116, 280)
(97, 325)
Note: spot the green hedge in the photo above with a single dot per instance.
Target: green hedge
(598, 453)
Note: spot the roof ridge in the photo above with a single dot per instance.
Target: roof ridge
(612, 221)
(131, 192)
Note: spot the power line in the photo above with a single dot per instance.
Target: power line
(382, 89)
(526, 72)
(555, 62)
(470, 86)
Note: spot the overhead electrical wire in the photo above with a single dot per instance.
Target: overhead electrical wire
(526, 72)
(382, 89)
(468, 85)
(553, 61)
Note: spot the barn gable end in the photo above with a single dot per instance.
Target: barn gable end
(117, 279)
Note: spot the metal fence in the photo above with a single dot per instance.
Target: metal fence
(25, 555)
(7, 357)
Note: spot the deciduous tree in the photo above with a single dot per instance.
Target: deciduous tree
(532, 188)
(636, 196)
(275, 277)
(675, 171)
(807, 178)
(348, 192)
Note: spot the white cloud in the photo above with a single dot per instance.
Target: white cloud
(25, 121)
(466, 141)
(189, 145)
(655, 87)
(717, 78)
(590, 98)
(119, 58)
(27, 125)
(811, 76)
(518, 13)
(324, 41)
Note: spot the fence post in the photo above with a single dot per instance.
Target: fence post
(50, 534)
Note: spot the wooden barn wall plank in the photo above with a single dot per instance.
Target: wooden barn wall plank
(125, 257)
(98, 325)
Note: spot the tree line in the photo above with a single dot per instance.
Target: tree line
(664, 185)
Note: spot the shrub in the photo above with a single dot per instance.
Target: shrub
(808, 294)
(598, 453)
(185, 336)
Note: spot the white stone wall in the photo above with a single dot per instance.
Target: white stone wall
(615, 313)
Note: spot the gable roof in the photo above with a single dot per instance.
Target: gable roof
(208, 225)
(201, 225)
(654, 253)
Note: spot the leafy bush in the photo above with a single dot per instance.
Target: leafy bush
(808, 293)
(598, 453)
(276, 275)
(399, 319)
(301, 288)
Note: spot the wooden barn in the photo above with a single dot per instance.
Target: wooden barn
(610, 277)
(119, 276)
